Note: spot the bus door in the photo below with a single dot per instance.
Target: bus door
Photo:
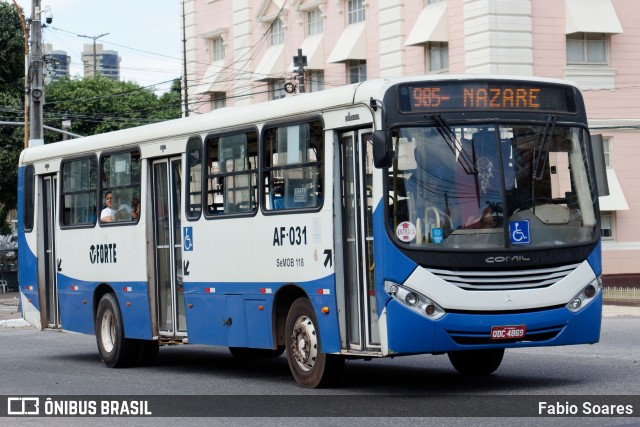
(50, 292)
(357, 239)
(167, 180)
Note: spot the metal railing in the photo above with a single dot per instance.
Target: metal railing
(620, 293)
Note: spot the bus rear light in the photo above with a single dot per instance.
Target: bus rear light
(210, 290)
(585, 296)
(127, 289)
(324, 291)
(74, 288)
(265, 290)
(414, 300)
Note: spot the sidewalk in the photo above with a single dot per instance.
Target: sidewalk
(10, 317)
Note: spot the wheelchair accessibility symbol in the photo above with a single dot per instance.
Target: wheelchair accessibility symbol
(188, 239)
(519, 232)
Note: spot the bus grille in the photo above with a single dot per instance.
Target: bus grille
(505, 279)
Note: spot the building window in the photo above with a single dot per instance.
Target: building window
(277, 32)
(606, 229)
(232, 162)
(314, 81)
(293, 168)
(314, 22)
(606, 146)
(276, 89)
(437, 57)
(121, 181)
(79, 183)
(357, 71)
(217, 49)
(218, 100)
(587, 49)
(355, 11)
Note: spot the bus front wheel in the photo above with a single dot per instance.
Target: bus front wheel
(476, 362)
(115, 350)
(310, 367)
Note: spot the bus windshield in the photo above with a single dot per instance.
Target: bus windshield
(491, 186)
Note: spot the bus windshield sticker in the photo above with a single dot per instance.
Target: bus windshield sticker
(437, 235)
(519, 232)
(406, 231)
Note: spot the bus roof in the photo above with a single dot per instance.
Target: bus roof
(230, 117)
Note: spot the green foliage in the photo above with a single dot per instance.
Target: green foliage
(11, 50)
(101, 104)
(11, 107)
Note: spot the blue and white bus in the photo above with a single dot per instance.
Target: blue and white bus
(453, 215)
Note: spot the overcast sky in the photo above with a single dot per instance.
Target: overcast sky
(146, 34)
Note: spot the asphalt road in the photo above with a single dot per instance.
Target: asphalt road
(53, 363)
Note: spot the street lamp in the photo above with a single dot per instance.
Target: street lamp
(95, 62)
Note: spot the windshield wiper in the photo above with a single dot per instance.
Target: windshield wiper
(452, 141)
(467, 162)
(541, 149)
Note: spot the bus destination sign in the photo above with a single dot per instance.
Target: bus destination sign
(485, 95)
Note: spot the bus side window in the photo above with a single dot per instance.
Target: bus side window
(29, 186)
(193, 200)
(232, 173)
(293, 166)
(120, 174)
(79, 185)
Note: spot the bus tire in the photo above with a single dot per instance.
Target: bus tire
(476, 362)
(310, 367)
(243, 353)
(115, 350)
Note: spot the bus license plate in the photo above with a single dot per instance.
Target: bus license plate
(508, 332)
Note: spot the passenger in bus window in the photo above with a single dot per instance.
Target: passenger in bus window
(107, 213)
(135, 213)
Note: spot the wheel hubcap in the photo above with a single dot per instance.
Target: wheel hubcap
(108, 331)
(304, 343)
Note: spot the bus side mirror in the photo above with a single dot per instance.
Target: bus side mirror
(382, 149)
(597, 146)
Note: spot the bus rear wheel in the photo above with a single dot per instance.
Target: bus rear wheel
(476, 362)
(310, 367)
(115, 350)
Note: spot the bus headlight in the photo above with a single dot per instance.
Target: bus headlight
(414, 300)
(585, 296)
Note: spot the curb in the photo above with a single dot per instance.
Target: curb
(14, 323)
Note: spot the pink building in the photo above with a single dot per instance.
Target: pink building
(242, 51)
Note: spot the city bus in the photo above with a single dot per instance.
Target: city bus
(451, 215)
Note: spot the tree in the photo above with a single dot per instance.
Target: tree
(11, 107)
(100, 104)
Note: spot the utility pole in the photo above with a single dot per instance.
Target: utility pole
(184, 62)
(95, 54)
(36, 88)
(300, 61)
